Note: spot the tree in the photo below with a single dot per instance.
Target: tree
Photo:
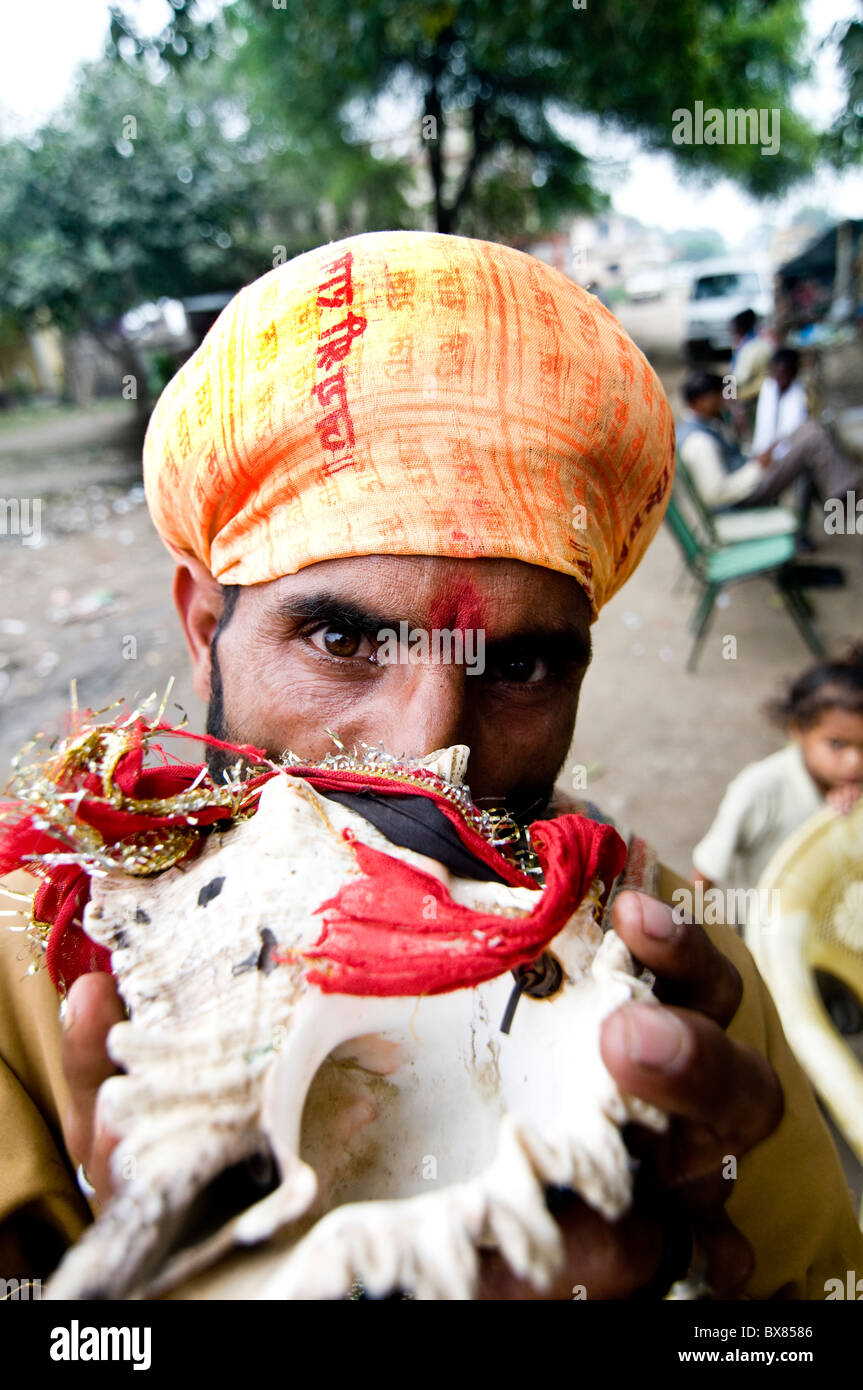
(697, 244)
(845, 140)
(505, 78)
(817, 219)
(122, 199)
(155, 185)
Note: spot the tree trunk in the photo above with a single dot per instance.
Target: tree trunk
(434, 109)
(477, 151)
(77, 376)
(133, 384)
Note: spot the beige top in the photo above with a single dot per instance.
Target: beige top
(718, 488)
(761, 807)
(750, 366)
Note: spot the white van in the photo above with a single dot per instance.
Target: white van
(718, 290)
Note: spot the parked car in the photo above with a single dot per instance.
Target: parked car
(719, 289)
(647, 284)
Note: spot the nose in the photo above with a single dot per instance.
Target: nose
(431, 709)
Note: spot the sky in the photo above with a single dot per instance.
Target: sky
(45, 41)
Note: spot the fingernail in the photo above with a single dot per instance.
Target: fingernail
(69, 1008)
(627, 909)
(657, 920)
(656, 1037)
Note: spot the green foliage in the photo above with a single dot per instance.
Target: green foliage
(845, 140)
(93, 222)
(697, 244)
(511, 75)
(160, 184)
(265, 131)
(817, 218)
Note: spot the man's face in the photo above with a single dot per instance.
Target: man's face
(783, 375)
(710, 404)
(302, 654)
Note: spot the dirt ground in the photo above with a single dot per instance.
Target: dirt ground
(91, 602)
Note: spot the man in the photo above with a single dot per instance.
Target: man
(750, 362)
(718, 466)
(782, 406)
(405, 426)
(789, 448)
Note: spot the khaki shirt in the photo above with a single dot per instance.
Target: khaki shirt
(790, 1200)
(750, 365)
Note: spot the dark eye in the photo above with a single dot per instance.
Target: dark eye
(339, 641)
(838, 744)
(521, 668)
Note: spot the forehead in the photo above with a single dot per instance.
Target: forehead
(841, 723)
(499, 595)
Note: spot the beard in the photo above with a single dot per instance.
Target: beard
(219, 761)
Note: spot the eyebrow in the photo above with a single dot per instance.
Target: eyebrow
(335, 608)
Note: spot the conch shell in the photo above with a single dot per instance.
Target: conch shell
(374, 1138)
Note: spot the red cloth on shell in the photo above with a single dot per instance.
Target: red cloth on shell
(377, 939)
(380, 939)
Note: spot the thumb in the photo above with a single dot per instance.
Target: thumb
(93, 1006)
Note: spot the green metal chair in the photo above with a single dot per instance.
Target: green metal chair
(715, 567)
(742, 524)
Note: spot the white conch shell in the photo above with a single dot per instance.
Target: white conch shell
(407, 1132)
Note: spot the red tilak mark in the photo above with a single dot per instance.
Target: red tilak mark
(458, 606)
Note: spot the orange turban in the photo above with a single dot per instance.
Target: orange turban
(409, 393)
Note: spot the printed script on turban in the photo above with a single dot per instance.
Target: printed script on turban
(409, 393)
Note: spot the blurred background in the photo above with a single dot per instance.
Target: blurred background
(155, 157)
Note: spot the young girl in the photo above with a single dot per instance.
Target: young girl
(768, 800)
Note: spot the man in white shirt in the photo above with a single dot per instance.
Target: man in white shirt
(781, 408)
(787, 445)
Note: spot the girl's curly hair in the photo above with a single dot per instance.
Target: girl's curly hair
(835, 684)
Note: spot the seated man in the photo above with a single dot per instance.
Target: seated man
(782, 407)
(789, 447)
(406, 426)
(749, 365)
